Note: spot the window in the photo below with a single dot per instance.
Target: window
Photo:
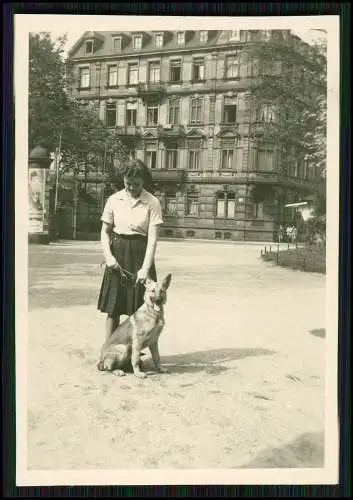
(229, 110)
(230, 205)
(112, 76)
(265, 159)
(227, 159)
(203, 36)
(220, 205)
(258, 210)
(151, 156)
(266, 68)
(232, 66)
(267, 113)
(152, 115)
(277, 67)
(111, 115)
(194, 155)
(173, 112)
(133, 74)
(181, 38)
(84, 78)
(199, 69)
(192, 204)
(131, 114)
(175, 71)
(171, 158)
(234, 35)
(225, 205)
(89, 47)
(170, 204)
(131, 152)
(138, 42)
(196, 110)
(158, 40)
(154, 73)
(117, 43)
(299, 169)
(293, 170)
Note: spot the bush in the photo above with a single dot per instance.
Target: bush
(311, 258)
(316, 230)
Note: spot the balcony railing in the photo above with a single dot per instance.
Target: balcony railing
(253, 177)
(166, 131)
(261, 128)
(129, 130)
(154, 88)
(175, 175)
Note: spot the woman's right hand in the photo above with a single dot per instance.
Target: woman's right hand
(111, 262)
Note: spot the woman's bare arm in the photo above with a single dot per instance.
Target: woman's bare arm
(151, 247)
(105, 243)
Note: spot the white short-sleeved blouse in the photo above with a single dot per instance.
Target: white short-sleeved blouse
(132, 215)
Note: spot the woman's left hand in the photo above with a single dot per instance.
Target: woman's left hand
(142, 275)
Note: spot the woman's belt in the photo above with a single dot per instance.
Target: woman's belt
(130, 236)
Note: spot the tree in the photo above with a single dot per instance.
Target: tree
(55, 116)
(290, 77)
(48, 103)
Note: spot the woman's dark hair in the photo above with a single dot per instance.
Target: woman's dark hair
(136, 168)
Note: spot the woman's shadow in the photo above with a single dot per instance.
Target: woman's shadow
(209, 361)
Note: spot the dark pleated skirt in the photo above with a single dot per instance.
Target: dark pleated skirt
(118, 295)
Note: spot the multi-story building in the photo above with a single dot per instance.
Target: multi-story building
(181, 102)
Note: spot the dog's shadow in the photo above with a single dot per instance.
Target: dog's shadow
(210, 361)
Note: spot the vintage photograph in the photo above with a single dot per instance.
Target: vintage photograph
(179, 244)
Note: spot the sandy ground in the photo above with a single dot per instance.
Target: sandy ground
(244, 343)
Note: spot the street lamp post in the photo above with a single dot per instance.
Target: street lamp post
(241, 201)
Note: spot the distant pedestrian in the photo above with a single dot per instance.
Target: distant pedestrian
(281, 233)
(289, 230)
(294, 234)
(129, 235)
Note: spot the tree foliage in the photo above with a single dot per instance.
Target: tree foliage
(291, 77)
(58, 120)
(47, 97)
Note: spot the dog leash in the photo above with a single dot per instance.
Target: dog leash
(124, 273)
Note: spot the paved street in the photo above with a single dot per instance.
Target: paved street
(244, 342)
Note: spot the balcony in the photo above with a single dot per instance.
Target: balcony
(150, 90)
(176, 176)
(171, 131)
(129, 131)
(264, 128)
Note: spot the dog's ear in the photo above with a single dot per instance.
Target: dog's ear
(166, 282)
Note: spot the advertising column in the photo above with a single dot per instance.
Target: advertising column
(38, 196)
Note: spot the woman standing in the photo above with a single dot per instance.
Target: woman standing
(129, 235)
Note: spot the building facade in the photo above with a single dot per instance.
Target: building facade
(181, 102)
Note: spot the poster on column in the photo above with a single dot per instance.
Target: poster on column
(36, 197)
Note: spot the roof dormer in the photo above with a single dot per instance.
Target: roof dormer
(183, 37)
(140, 39)
(120, 40)
(92, 41)
(158, 39)
(234, 36)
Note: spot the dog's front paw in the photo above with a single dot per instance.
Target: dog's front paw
(140, 375)
(161, 369)
(118, 373)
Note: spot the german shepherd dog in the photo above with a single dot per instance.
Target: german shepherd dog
(140, 330)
